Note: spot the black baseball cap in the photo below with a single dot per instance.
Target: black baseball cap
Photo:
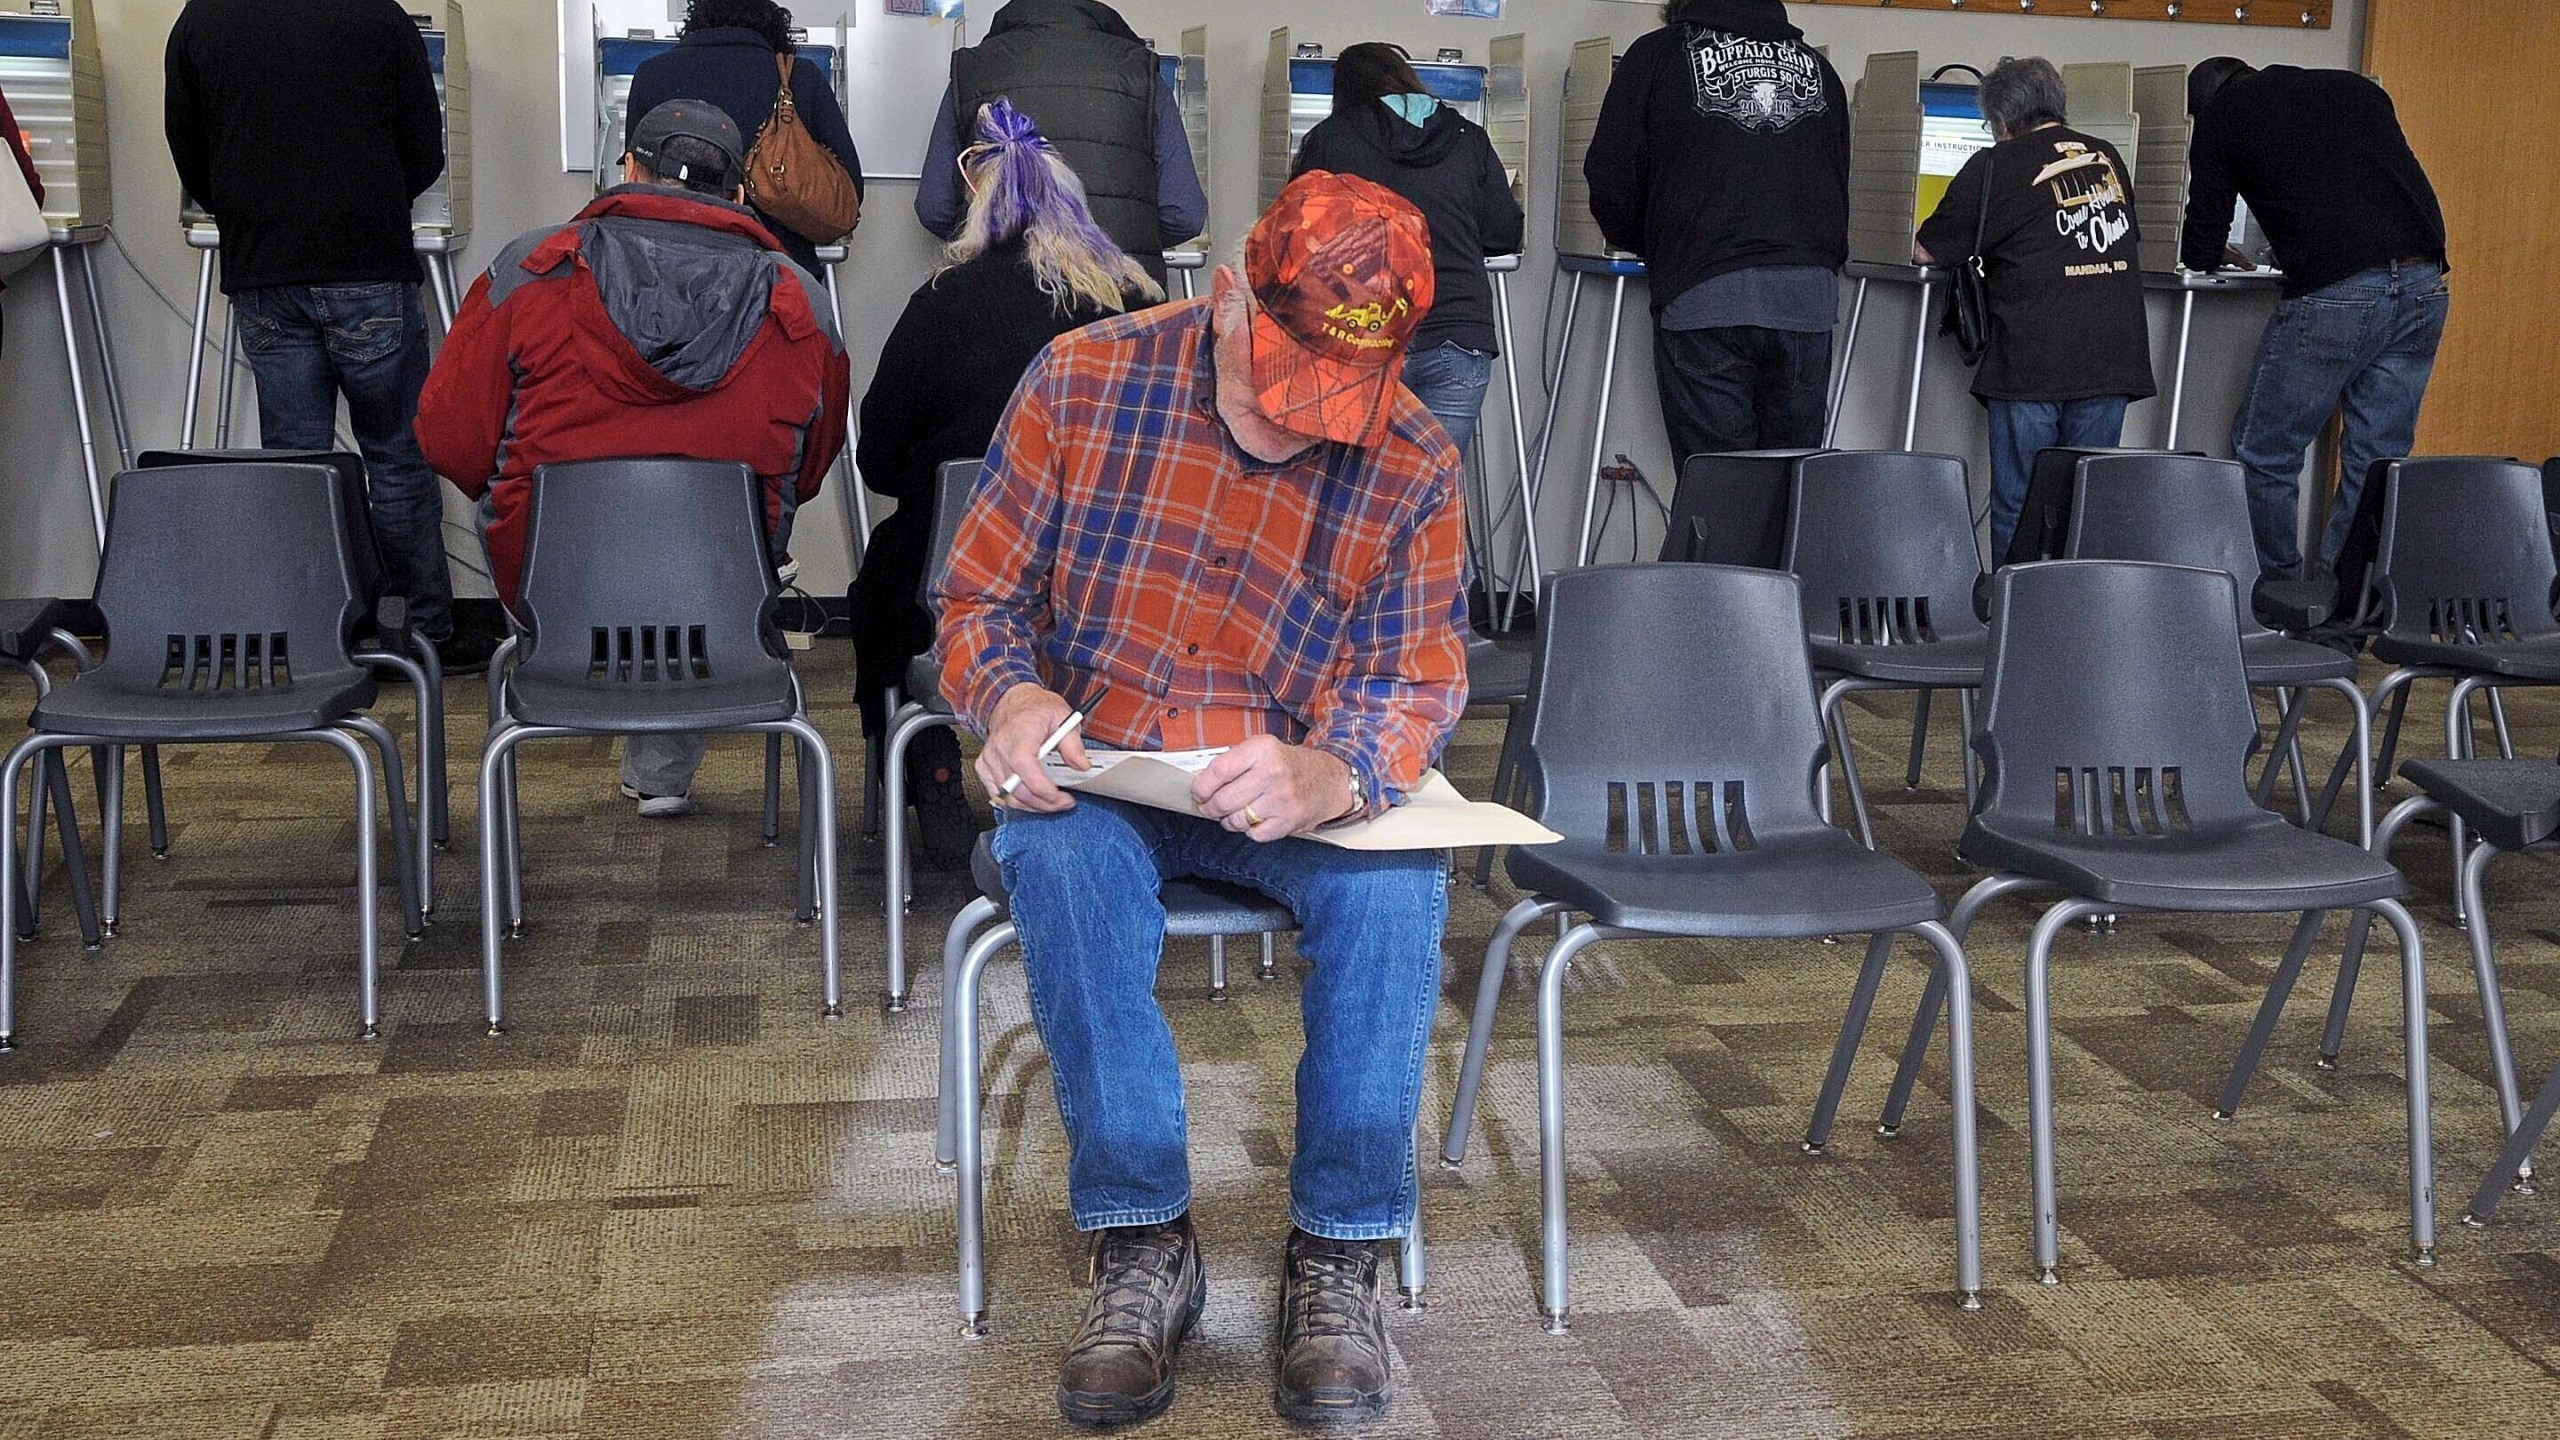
(698, 119)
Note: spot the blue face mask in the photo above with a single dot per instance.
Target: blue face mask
(1414, 109)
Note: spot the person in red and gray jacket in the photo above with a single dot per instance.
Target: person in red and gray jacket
(664, 320)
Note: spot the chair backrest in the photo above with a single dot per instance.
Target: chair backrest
(953, 481)
(1731, 508)
(2551, 499)
(1675, 709)
(1883, 543)
(235, 576)
(353, 497)
(647, 571)
(2466, 551)
(2044, 518)
(2169, 509)
(2117, 703)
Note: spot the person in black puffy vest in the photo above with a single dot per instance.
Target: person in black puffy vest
(1091, 86)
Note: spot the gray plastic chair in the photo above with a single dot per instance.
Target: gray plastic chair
(981, 931)
(229, 595)
(1678, 761)
(2116, 731)
(1731, 508)
(920, 708)
(2188, 510)
(27, 629)
(647, 606)
(1499, 675)
(1883, 542)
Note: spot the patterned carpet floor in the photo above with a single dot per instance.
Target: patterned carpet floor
(674, 1201)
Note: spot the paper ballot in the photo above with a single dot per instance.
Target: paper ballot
(1434, 816)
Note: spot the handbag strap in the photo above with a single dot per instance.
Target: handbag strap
(782, 101)
(1982, 220)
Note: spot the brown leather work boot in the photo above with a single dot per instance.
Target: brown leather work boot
(1333, 1340)
(1148, 1288)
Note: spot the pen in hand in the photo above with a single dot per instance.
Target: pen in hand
(1048, 748)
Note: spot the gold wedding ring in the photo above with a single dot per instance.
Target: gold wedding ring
(1251, 819)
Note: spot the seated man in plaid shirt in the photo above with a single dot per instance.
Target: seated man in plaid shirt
(1225, 523)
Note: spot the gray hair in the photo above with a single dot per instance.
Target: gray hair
(2019, 95)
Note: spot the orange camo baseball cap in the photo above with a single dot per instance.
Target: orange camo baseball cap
(1340, 269)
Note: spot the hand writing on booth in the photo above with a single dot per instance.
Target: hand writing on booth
(1270, 790)
(1024, 717)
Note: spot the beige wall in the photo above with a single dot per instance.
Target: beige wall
(45, 542)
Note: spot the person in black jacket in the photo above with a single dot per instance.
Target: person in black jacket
(1722, 157)
(1030, 264)
(308, 128)
(725, 58)
(1387, 129)
(2070, 346)
(2355, 226)
(1092, 86)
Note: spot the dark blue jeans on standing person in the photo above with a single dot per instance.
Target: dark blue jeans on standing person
(1450, 381)
(1741, 387)
(1082, 886)
(2020, 428)
(2363, 347)
(309, 344)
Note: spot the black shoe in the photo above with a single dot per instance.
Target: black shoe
(1148, 1288)
(466, 652)
(1333, 1339)
(946, 824)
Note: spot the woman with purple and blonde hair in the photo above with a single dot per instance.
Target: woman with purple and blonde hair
(1028, 265)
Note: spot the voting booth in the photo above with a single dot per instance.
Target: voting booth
(2164, 133)
(1298, 93)
(1583, 254)
(1909, 137)
(439, 222)
(57, 85)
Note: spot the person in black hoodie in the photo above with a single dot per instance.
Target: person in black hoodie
(726, 58)
(1030, 264)
(1386, 128)
(1722, 157)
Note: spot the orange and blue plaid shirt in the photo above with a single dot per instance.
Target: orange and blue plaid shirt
(1121, 550)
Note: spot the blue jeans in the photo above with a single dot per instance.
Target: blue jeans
(308, 344)
(1083, 889)
(2020, 428)
(2364, 347)
(1741, 387)
(1450, 382)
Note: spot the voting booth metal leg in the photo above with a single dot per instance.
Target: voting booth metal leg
(1600, 417)
(441, 283)
(230, 371)
(1919, 361)
(1525, 555)
(2178, 369)
(107, 359)
(79, 393)
(849, 496)
(1848, 354)
(195, 352)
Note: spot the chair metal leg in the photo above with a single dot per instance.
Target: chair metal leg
(2040, 1079)
(1410, 1269)
(2306, 932)
(872, 745)
(2493, 1005)
(2498, 722)
(1555, 1302)
(426, 683)
(111, 841)
(405, 842)
(962, 1001)
(1924, 1020)
(155, 803)
(1853, 1028)
(1919, 740)
(2413, 1005)
(75, 861)
(2457, 745)
(955, 946)
(10, 770)
(897, 865)
(368, 885)
(805, 901)
(2333, 1033)
(1497, 957)
(1968, 1161)
(497, 840)
(511, 802)
(2512, 1158)
(830, 906)
(772, 789)
(2391, 731)
(1218, 967)
(1833, 707)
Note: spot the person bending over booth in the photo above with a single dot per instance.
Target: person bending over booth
(2070, 346)
(2355, 226)
(663, 320)
(1385, 128)
(1274, 570)
(1030, 265)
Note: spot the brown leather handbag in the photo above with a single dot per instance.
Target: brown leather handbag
(797, 181)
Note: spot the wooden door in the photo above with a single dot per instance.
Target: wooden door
(2477, 84)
